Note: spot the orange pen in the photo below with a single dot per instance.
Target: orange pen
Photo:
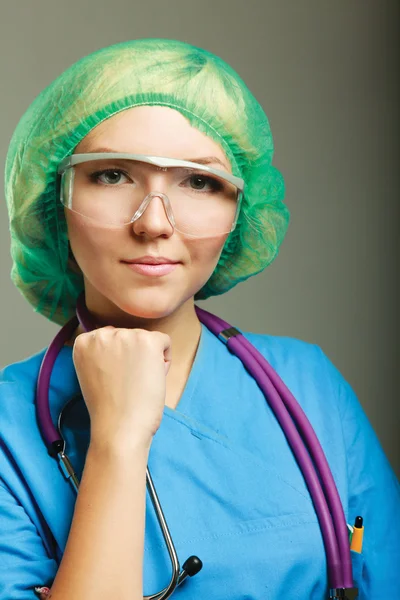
(358, 534)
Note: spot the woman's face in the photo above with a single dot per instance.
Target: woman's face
(112, 288)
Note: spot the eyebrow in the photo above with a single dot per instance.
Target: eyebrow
(203, 160)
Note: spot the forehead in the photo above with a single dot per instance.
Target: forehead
(153, 130)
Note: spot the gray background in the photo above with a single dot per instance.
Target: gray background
(327, 76)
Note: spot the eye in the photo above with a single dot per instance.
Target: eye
(199, 182)
(112, 176)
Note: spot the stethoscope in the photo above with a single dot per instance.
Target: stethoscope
(296, 426)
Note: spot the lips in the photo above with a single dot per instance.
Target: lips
(156, 270)
(151, 260)
(152, 265)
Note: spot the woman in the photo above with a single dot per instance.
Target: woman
(151, 384)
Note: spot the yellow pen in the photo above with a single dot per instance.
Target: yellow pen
(358, 534)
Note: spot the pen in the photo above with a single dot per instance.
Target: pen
(358, 534)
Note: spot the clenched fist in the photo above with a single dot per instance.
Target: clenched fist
(122, 375)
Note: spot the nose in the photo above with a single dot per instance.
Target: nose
(154, 221)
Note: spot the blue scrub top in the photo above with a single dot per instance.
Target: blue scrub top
(229, 485)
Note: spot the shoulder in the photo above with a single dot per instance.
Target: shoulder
(306, 370)
(291, 355)
(17, 403)
(20, 376)
(18, 382)
(325, 395)
(284, 347)
(25, 368)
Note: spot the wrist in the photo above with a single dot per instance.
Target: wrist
(121, 445)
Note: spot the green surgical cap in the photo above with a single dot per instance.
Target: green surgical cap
(198, 84)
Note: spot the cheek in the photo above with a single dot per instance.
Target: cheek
(205, 253)
(90, 244)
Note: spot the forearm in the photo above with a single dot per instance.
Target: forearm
(103, 558)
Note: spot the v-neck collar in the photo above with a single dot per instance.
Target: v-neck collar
(192, 381)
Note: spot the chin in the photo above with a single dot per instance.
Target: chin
(144, 305)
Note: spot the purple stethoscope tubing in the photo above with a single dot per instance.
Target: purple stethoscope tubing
(286, 409)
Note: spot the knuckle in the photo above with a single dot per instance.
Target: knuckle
(165, 338)
(81, 341)
(142, 335)
(103, 331)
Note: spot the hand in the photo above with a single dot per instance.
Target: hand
(122, 375)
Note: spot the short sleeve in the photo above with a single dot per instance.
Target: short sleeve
(24, 561)
(373, 493)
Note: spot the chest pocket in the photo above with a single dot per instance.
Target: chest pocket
(254, 529)
(255, 532)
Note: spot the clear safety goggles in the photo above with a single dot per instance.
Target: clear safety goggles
(112, 189)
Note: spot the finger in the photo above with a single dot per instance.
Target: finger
(168, 354)
(167, 348)
(167, 365)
